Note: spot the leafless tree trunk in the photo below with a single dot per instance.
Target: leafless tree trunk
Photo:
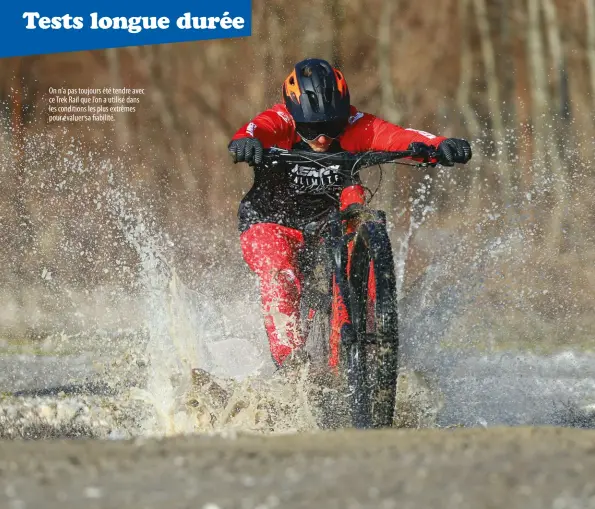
(25, 231)
(274, 56)
(466, 73)
(554, 44)
(556, 126)
(336, 11)
(494, 102)
(538, 79)
(538, 93)
(545, 151)
(388, 106)
(591, 44)
(463, 100)
(508, 73)
(560, 74)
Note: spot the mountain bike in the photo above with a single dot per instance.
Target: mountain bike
(349, 301)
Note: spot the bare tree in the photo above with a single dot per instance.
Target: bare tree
(464, 92)
(538, 78)
(559, 75)
(466, 73)
(25, 232)
(556, 50)
(275, 53)
(559, 172)
(590, 4)
(388, 105)
(494, 102)
(508, 72)
(336, 10)
(544, 152)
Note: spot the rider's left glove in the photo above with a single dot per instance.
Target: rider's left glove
(249, 150)
(453, 150)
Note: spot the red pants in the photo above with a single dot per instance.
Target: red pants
(271, 251)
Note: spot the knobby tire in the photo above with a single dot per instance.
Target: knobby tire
(371, 360)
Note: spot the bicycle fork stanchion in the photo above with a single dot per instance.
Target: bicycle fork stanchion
(341, 327)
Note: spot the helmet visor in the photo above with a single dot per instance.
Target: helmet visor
(311, 130)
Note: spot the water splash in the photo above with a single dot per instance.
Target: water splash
(419, 210)
(185, 330)
(471, 360)
(174, 343)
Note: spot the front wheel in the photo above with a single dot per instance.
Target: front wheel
(371, 359)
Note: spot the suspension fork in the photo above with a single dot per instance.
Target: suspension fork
(343, 226)
(341, 327)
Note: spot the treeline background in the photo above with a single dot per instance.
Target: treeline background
(516, 77)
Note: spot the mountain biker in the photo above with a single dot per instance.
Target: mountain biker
(316, 115)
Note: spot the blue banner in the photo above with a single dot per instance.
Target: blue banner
(37, 27)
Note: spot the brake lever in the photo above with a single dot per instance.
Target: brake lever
(427, 153)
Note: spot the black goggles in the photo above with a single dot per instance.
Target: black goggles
(311, 130)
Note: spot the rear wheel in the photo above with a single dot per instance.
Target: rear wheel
(371, 360)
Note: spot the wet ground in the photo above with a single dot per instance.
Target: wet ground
(464, 468)
(485, 466)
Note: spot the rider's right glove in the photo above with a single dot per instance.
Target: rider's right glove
(453, 150)
(247, 150)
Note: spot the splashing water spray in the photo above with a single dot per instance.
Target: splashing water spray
(173, 342)
(182, 327)
(419, 211)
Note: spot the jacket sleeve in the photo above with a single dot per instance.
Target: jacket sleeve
(368, 132)
(271, 127)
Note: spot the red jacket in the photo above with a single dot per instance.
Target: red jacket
(290, 197)
(275, 127)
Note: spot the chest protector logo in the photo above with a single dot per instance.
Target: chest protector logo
(311, 180)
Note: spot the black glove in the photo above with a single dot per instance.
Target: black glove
(247, 150)
(453, 150)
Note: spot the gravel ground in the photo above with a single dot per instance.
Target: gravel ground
(463, 468)
(101, 466)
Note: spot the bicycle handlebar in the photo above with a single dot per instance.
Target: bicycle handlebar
(357, 160)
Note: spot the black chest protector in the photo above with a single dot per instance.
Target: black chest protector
(292, 194)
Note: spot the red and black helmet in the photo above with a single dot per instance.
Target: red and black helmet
(316, 92)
